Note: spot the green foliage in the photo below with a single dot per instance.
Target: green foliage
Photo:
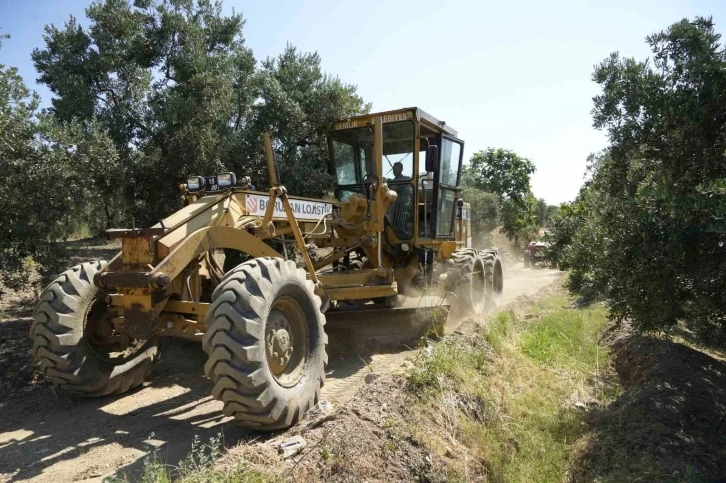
(501, 171)
(496, 184)
(564, 224)
(648, 231)
(567, 338)
(510, 388)
(179, 94)
(149, 93)
(35, 193)
(545, 213)
(445, 361)
(484, 210)
(299, 102)
(519, 219)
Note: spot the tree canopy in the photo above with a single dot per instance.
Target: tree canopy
(497, 185)
(149, 93)
(179, 93)
(648, 231)
(501, 171)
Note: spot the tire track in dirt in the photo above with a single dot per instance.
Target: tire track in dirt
(347, 376)
(48, 436)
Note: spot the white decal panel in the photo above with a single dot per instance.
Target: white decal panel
(303, 209)
(397, 117)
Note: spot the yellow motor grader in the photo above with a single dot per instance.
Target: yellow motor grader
(395, 230)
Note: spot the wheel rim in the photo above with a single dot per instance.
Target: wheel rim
(287, 343)
(103, 335)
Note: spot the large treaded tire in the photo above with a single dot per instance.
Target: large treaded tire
(474, 263)
(469, 265)
(235, 342)
(59, 344)
(493, 269)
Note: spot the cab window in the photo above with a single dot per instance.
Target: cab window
(450, 156)
(345, 163)
(449, 164)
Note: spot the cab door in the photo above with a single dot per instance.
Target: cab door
(450, 160)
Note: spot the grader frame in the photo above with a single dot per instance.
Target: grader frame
(164, 279)
(151, 263)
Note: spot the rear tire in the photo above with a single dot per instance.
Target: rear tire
(261, 309)
(473, 289)
(63, 345)
(494, 273)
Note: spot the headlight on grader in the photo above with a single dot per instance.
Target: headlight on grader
(217, 182)
(195, 183)
(225, 180)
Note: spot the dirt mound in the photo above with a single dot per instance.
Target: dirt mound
(668, 423)
(367, 439)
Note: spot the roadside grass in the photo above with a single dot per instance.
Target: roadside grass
(515, 393)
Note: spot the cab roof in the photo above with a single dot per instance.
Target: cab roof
(396, 115)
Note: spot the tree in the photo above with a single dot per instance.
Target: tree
(179, 93)
(506, 174)
(100, 86)
(519, 219)
(484, 212)
(544, 212)
(298, 102)
(650, 231)
(200, 102)
(501, 171)
(36, 191)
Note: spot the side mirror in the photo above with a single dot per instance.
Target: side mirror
(432, 158)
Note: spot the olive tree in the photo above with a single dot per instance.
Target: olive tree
(650, 226)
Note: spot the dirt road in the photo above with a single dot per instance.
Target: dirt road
(48, 436)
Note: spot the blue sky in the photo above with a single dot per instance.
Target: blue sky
(504, 74)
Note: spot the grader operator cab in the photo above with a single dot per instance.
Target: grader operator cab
(396, 232)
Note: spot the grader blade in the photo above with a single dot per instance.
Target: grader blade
(373, 329)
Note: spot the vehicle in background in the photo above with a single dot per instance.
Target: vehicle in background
(536, 252)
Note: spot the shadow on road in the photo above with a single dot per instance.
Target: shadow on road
(47, 428)
(49, 435)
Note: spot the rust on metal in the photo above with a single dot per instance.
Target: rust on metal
(190, 308)
(365, 277)
(132, 280)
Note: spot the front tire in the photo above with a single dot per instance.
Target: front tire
(75, 343)
(266, 344)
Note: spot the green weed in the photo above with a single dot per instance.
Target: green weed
(516, 384)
